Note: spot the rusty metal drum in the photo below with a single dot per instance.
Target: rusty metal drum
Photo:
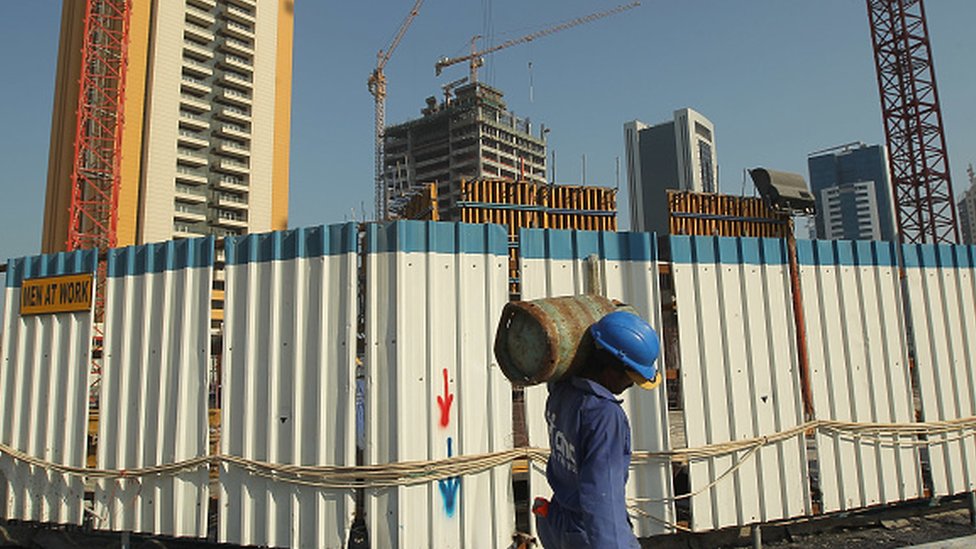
(547, 339)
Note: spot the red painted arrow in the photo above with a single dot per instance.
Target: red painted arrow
(444, 403)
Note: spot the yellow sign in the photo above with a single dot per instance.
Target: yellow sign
(56, 294)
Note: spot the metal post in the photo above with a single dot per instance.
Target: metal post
(756, 536)
(972, 509)
(800, 322)
(125, 540)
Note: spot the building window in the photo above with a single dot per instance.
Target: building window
(705, 161)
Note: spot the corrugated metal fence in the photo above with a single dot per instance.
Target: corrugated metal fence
(434, 295)
(153, 399)
(621, 266)
(44, 395)
(418, 303)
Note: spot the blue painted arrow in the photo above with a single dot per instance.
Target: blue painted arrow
(449, 487)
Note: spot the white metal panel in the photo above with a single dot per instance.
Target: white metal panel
(858, 370)
(288, 392)
(434, 294)
(739, 378)
(44, 381)
(153, 402)
(940, 282)
(555, 263)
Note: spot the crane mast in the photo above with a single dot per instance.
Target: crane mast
(377, 86)
(475, 60)
(924, 205)
(96, 170)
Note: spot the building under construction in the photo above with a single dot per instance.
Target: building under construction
(470, 136)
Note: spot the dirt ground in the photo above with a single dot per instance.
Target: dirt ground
(889, 527)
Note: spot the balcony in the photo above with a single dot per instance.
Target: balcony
(193, 121)
(246, 3)
(190, 157)
(238, 62)
(195, 48)
(201, 34)
(191, 193)
(182, 229)
(243, 15)
(232, 183)
(239, 47)
(230, 201)
(234, 149)
(192, 139)
(223, 218)
(239, 82)
(235, 96)
(196, 68)
(199, 16)
(194, 103)
(233, 166)
(240, 31)
(233, 130)
(190, 176)
(186, 212)
(191, 83)
(236, 114)
(205, 5)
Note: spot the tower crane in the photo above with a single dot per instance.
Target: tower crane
(924, 204)
(377, 86)
(475, 58)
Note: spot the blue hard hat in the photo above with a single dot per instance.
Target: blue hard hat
(631, 340)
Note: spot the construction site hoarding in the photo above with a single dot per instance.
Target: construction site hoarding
(624, 267)
(739, 374)
(858, 353)
(288, 388)
(434, 295)
(44, 383)
(941, 282)
(153, 390)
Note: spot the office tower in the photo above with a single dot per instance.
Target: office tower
(679, 154)
(207, 118)
(470, 136)
(853, 193)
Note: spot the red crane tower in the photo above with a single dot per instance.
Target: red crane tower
(95, 176)
(924, 205)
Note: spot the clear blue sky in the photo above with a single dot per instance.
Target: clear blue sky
(779, 79)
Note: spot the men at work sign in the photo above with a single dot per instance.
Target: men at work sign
(56, 294)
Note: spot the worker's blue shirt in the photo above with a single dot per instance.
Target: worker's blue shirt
(589, 436)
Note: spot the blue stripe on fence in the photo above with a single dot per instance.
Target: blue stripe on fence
(284, 245)
(63, 263)
(728, 250)
(939, 255)
(435, 237)
(162, 256)
(851, 253)
(559, 244)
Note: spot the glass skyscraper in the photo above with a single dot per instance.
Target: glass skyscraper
(853, 193)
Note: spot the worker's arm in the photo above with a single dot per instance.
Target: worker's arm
(604, 458)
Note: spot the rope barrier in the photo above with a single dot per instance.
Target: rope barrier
(895, 435)
(928, 434)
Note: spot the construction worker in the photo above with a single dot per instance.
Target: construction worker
(589, 437)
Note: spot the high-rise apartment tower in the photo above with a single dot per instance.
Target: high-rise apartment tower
(967, 211)
(207, 120)
(853, 193)
(679, 154)
(470, 136)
